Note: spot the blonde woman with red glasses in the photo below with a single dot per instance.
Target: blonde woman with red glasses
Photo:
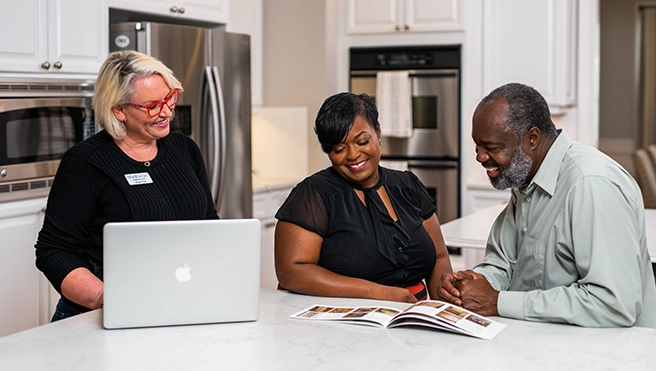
(134, 169)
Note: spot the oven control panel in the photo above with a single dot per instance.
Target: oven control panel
(403, 58)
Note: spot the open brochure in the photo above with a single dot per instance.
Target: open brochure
(430, 313)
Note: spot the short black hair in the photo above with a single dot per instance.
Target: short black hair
(337, 114)
(526, 108)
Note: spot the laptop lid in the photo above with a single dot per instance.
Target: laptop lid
(180, 272)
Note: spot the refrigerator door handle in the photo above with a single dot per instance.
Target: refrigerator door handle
(223, 140)
(214, 176)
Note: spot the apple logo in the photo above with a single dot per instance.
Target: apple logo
(182, 274)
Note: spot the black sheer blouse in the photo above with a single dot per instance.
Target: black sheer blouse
(365, 242)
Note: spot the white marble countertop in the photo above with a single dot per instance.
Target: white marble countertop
(472, 230)
(275, 342)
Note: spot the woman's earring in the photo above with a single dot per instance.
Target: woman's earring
(380, 141)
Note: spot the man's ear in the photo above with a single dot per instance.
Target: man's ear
(533, 138)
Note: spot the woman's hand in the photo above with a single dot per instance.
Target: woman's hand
(397, 294)
(449, 283)
(443, 262)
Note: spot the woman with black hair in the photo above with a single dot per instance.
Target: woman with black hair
(357, 229)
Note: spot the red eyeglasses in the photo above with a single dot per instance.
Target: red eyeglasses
(155, 108)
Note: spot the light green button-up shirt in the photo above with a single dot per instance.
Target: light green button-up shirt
(571, 246)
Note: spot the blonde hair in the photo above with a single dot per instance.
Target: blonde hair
(115, 85)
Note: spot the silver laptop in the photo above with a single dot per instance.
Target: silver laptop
(181, 272)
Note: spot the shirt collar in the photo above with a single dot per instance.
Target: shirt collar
(547, 175)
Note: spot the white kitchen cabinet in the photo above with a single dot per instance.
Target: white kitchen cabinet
(397, 16)
(533, 42)
(53, 36)
(213, 11)
(265, 205)
(28, 299)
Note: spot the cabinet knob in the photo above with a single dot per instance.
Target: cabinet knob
(174, 9)
(45, 65)
(406, 27)
(58, 65)
(181, 10)
(397, 28)
(3, 173)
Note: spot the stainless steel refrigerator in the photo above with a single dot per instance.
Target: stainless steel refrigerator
(215, 108)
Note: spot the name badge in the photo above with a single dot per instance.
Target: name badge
(138, 178)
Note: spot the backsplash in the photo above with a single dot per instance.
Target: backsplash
(279, 142)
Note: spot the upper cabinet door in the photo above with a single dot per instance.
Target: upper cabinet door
(78, 35)
(213, 11)
(397, 16)
(23, 31)
(374, 16)
(532, 42)
(432, 15)
(53, 36)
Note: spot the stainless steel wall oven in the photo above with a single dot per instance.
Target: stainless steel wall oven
(432, 152)
(39, 121)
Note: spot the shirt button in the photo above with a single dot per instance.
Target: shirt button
(524, 230)
(400, 249)
(528, 199)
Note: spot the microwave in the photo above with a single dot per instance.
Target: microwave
(39, 122)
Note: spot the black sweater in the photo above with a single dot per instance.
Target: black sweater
(90, 189)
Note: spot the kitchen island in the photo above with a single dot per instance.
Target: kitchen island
(275, 342)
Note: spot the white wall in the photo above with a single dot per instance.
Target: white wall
(278, 154)
(294, 63)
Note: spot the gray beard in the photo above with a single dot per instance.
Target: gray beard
(515, 175)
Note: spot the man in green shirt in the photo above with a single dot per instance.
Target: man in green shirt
(570, 246)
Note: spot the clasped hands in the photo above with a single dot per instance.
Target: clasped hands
(469, 290)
